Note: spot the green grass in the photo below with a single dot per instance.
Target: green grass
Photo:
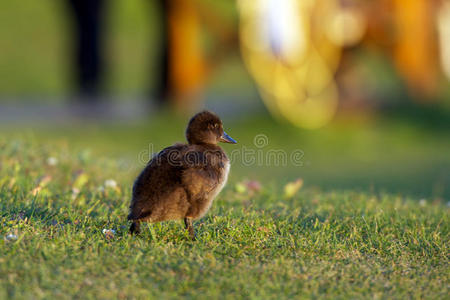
(334, 243)
(370, 154)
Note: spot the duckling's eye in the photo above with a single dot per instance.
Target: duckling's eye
(216, 125)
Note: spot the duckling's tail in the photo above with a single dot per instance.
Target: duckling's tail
(130, 216)
(135, 227)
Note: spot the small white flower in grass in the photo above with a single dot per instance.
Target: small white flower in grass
(11, 237)
(110, 183)
(75, 193)
(52, 161)
(423, 202)
(109, 233)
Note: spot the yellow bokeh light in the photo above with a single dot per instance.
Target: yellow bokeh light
(291, 60)
(443, 24)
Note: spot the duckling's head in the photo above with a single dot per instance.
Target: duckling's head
(206, 128)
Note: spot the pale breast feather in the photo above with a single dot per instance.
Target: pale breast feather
(223, 181)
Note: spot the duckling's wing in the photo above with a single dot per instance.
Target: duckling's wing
(199, 177)
(158, 184)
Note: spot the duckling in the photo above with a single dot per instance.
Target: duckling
(182, 180)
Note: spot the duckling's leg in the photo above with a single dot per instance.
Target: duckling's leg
(190, 227)
(135, 227)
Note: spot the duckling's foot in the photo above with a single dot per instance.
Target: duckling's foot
(135, 228)
(190, 228)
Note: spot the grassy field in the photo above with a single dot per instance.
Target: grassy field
(371, 221)
(56, 200)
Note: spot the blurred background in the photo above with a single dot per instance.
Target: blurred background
(361, 87)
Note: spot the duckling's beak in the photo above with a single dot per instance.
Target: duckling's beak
(227, 139)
